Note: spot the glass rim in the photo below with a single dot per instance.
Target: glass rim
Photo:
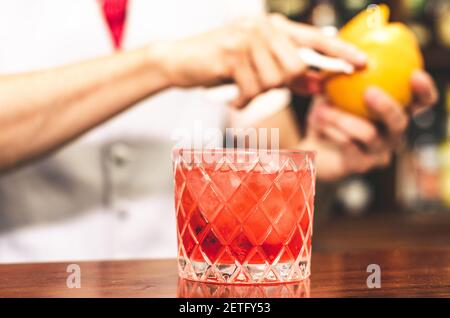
(289, 151)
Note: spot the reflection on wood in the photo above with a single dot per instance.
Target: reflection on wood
(404, 272)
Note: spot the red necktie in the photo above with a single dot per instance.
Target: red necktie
(115, 12)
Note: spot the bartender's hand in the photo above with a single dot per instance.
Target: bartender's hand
(349, 144)
(257, 53)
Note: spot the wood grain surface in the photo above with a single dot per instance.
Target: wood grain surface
(404, 272)
(412, 250)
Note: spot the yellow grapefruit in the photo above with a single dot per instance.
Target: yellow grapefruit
(393, 54)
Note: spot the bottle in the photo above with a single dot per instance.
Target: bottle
(413, 14)
(443, 24)
(444, 157)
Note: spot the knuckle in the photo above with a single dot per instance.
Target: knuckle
(238, 54)
(235, 43)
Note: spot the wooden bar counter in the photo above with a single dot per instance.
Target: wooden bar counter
(413, 255)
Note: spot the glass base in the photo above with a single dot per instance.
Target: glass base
(195, 289)
(244, 274)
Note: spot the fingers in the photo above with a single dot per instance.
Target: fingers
(335, 135)
(354, 129)
(359, 161)
(286, 54)
(361, 146)
(246, 80)
(273, 58)
(268, 70)
(424, 90)
(356, 160)
(309, 36)
(273, 47)
(389, 113)
(393, 118)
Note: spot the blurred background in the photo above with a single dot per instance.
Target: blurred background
(408, 203)
(404, 205)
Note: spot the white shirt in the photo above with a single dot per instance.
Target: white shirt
(109, 194)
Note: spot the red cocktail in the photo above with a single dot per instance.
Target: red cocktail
(243, 217)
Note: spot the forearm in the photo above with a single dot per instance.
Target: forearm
(42, 110)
